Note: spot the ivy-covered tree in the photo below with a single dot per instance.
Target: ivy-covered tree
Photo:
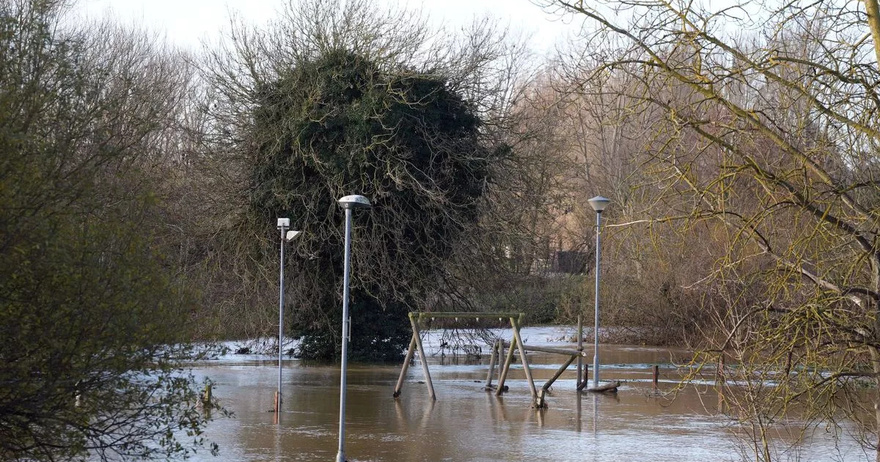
(339, 125)
(319, 106)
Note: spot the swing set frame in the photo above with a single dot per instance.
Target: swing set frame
(516, 344)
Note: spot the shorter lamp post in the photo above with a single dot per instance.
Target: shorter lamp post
(598, 203)
(348, 203)
(286, 236)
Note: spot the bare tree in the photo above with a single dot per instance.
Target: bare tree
(90, 310)
(770, 144)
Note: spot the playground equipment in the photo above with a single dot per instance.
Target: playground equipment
(516, 344)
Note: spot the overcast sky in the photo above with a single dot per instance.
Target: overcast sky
(187, 22)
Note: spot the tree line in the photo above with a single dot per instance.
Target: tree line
(139, 187)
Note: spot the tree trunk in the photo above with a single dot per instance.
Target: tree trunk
(875, 353)
(873, 10)
(875, 366)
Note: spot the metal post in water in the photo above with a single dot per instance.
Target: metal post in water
(596, 320)
(347, 203)
(283, 224)
(598, 203)
(340, 455)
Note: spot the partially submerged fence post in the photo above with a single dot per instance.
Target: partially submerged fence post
(580, 360)
(208, 403)
(655, 369)
(206, 396)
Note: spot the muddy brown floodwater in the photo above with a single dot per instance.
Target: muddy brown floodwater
(466, 423)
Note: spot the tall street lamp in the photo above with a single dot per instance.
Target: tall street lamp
(598, 203)
(348, 203)
(286, 236)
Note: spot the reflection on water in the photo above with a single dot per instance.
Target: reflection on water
(469, 424)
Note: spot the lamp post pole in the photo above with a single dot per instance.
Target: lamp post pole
(286, 236)
(598, 203)
(283, 224)
(348, 203)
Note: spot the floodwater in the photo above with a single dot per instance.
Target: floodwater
(466, 423)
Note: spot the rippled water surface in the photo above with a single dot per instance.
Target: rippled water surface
(466, 423)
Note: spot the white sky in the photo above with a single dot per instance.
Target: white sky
(188, 22)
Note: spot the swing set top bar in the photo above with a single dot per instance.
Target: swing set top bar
(464, 314)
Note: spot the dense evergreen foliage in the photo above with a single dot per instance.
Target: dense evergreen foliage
(340, 125)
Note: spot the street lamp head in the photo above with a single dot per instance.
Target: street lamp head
(291, 235)
(283, 223)
(599, 203)
(354, 201)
